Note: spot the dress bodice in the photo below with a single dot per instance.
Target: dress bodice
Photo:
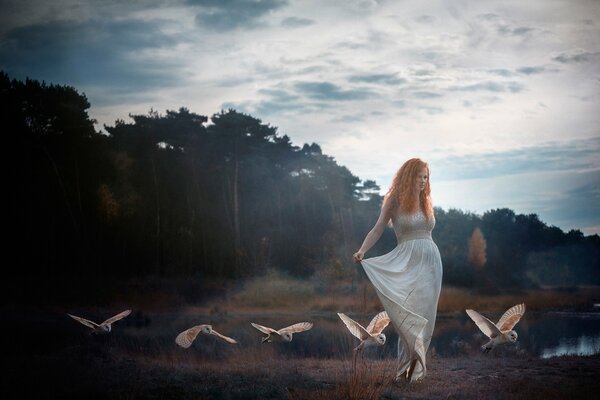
(412, 226)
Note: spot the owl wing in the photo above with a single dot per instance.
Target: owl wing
(299, 327)
(225, 338)
(485, 325)
(378, 323)
(354, 327)
(511, 317)
(117, 317)
(187, 337)
(86, 322)
(263, 329)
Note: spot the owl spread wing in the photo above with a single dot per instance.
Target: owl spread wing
(117, 317)
(299, 327)
(86, 322)
(263, 329)
(511, 317)
(187, 337)
(354, 327)
(485, 325)
(378, 323)
(225, 338)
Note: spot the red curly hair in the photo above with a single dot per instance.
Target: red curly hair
(403, 193)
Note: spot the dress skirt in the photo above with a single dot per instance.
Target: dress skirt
(408, 281)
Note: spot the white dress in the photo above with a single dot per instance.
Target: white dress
(408, 281)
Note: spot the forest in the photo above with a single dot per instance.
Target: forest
(226, 197)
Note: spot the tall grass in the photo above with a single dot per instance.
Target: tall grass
(456, 300)
(273, 290)
(278, 292)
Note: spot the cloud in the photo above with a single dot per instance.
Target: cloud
(577, 155)
(295, 22)
(267, 108)
(499, 87)
(301, 97)
(522, 31)
(576, 201)
(386, 79)
(279, 95)
(275, 102)
(21, 13)
(329, 91)
(504, 28)
(531, 70)
(590, 189)
(502, 72)
(425, 19)
(481, 102)
(568, 199)
(575, 56)
(279, 101)
(489, 17)
(426, 95)
(225, 15)
(431, 110)
(94, 52)
(507, 73)
(282, 61)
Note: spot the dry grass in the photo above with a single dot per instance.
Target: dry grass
(456, 300)
(281, 293)
(273, 290)
(145, 363)
(278, 292)
(343, 379)
(258, 373)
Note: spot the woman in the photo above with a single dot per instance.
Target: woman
(409, 278)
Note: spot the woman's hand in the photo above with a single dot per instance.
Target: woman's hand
(358, 256)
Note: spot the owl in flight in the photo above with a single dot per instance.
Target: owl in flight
(502, 332)
(104, 327)
(372, 335)
(187, 337)
(282, 335)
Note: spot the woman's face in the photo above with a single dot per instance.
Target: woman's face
(422, 178)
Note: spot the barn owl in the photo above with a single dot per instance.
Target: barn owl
(187, 337)
(104, 327)
(371, 336)
(282, 335)
(501, 332)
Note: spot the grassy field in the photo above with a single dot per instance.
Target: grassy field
(51, 356)
(122, 366)
(276, 292)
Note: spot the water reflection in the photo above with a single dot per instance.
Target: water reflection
(540, 334)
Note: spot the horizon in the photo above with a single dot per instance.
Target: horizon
(500, 98)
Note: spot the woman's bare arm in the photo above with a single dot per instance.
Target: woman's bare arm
(376, 232)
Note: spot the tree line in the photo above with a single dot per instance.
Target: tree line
(227, 196)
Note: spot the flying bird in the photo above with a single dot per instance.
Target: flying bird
(104, 327)
(284, 334)
(187, 337)
(502, 332)
(372, 335)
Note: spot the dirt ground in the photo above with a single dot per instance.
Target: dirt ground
(100, 371)
(47, 355)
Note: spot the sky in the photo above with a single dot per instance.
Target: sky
(502, 98)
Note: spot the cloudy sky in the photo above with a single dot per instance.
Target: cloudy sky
(501, 97)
